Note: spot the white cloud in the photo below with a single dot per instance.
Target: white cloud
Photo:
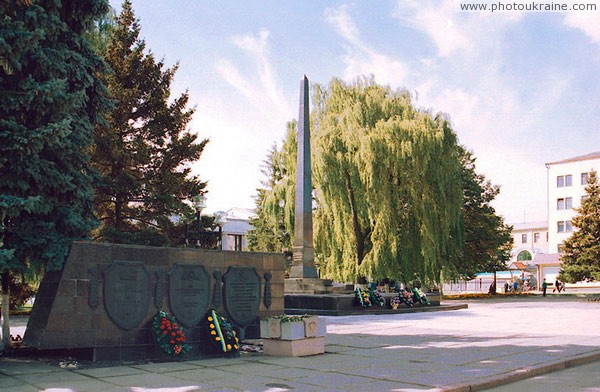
(264, 91)
(239, 143)
(587, 22)
(361, 58)
(451, 30)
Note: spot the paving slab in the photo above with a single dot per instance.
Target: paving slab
(489, 344)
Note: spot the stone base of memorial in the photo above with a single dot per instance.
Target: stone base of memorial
(293, 336)
(102, 304)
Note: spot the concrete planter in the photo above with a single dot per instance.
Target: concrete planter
(302, 337)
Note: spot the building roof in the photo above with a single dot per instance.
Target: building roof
(592, 155)
(529, 225)
(236, 213)
(546, 259)
(517, 265)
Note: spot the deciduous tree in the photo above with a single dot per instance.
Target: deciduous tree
(388, 185)
(488, 239)
(273, 226)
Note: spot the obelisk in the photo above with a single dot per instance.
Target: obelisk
(303, 252)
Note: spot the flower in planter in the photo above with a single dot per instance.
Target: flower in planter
(168, 335)
(395, 302)
(285, 318)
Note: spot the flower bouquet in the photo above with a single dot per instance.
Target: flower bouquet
(395, 302)
(376, 298)
(420, 296)
(168, 334)
(406, 297)
(361, 297)
(221, 333)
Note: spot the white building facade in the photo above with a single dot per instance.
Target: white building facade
(529, 239)
(567, 180)
(235, 224)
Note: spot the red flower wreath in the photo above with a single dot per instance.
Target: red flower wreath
(168, 334)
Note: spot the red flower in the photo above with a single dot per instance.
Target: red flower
(165, 332)
(174, 325)
(173, 334)
(172, 341)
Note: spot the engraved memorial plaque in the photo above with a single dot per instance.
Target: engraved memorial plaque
(242, 294)
(189, 293)
(126, 293)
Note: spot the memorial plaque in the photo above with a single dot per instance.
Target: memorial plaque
(189, 293)
(242, 294)
(126, 293)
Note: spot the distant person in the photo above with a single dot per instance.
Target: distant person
(506, 287)
(544, 287)
(492, 289)
(515, 286)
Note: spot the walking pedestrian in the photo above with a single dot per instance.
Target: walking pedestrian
(544, 287)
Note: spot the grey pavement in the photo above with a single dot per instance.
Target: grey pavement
(504, 344)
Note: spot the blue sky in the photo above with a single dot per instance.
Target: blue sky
(521, 88)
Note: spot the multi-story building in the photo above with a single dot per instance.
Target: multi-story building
(235, 224)
(566, 189)
(529, 239)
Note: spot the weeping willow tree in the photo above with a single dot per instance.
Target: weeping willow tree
(388, 180)
(273, 225)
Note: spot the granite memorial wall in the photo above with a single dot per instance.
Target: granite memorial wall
(103, 301)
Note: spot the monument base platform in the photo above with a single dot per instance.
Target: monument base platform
(343, 305)
(312, 286)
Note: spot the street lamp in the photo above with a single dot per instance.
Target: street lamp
(199, 203)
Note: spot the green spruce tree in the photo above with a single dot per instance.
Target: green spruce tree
(581, 257)
(145, 150)
(50, 101)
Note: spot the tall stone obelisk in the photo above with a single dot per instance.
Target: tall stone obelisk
(303, 252)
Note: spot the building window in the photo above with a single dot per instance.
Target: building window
(536, 237)
(564, 203)
(568, 226)
(562, 181)
(523, 238)
(564, 227)
(523, 255)
(568, 203)
(238, 242)
(584, 178)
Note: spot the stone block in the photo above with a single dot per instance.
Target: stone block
(292, 330)
(270, 328)
(314, 326)
(294, 348)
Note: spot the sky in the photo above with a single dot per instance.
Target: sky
(521, 88)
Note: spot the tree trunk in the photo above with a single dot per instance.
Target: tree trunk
(360, 238)
(5, 311)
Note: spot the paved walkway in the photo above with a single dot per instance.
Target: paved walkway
(491, 343)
